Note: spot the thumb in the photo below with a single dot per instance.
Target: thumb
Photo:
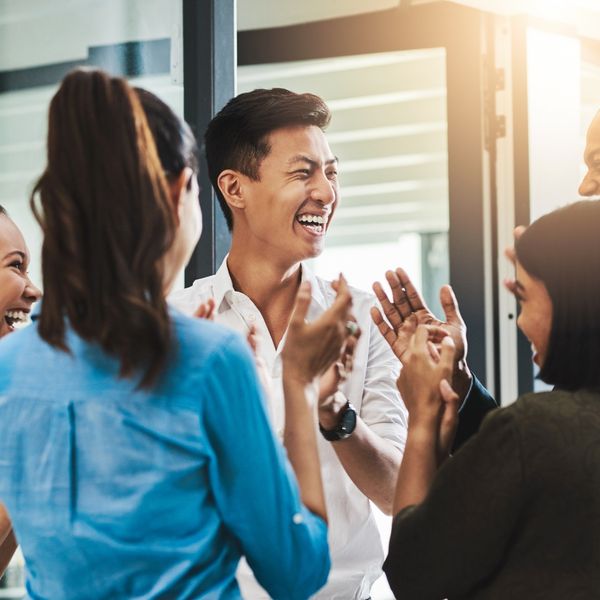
(303, 299)
(447, 352)
(449, 419)
(450, 306)
(449, 396)
(343, 299)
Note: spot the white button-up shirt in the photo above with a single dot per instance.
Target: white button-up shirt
(354, 542)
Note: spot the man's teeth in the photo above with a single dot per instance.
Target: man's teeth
(312, 219)
(315, 222)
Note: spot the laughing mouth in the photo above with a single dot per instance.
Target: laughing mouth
(315, 223)
(16, 319)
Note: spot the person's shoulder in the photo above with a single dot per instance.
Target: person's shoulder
(556, 405)
(17, 350)
(15, 341)
(205, 350)
(544, 414)
(201, 336)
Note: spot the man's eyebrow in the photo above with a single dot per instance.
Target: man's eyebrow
(313, 163)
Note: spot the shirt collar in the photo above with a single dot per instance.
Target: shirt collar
(316, 286)
(222, 284)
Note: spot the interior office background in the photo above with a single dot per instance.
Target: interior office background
(453, 122)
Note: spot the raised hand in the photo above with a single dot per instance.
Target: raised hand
(407, 310)
(511, 284)
(431, 402)
(205, 310)
(311, 348)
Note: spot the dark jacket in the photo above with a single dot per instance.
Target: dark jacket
(514, 514)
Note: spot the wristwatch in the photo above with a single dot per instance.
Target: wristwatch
(344, 428)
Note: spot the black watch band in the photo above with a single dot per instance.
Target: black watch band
(344, 428)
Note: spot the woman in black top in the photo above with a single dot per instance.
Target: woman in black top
(516, 512)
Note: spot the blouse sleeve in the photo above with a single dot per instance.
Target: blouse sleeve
(254, 485)
(458, 535)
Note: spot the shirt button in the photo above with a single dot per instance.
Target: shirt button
(251, 317)
(280, 434)
(298, 518)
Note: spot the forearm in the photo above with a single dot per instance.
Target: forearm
(7, 550)
(372, 463)
(418, 468)
(8, 544)
(299, 439)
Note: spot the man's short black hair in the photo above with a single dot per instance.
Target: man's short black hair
(562, 249)
(236, 138)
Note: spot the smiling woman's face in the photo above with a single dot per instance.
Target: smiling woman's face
(17, 293)
(535, 318)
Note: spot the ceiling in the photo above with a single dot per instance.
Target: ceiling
(581, 16)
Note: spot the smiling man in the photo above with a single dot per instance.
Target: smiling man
(277, 182)
(276, 179)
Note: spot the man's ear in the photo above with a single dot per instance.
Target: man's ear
(231, 186)
(177, 189)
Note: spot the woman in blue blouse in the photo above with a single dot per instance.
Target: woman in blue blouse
(136, 458)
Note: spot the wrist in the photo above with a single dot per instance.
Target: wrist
(331, 410)
(461, 379)
(345, 424)
(424, 420)
(423, 432)
(292, 376)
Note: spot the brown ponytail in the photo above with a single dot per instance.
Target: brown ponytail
(104, 209)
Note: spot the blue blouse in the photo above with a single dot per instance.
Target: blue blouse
(120, 493)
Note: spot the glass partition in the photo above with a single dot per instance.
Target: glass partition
(39, 43)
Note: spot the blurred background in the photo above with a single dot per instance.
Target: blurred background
(453, 121)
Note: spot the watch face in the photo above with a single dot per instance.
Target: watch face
(344, 428)
(348, 423)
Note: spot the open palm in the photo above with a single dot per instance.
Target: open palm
(407, 310)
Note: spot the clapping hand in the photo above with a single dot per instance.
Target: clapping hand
(205, 310)
(312, 348)
(425, 388)
(509, 283)
(407, 310)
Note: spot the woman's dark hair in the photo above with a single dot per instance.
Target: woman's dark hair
(562, 249)
(175, 142)
(236, 138)
(105, 211)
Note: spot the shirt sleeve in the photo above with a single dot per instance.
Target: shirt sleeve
(458, 535)
(254, 485)
(382, 407)
(478, 403)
